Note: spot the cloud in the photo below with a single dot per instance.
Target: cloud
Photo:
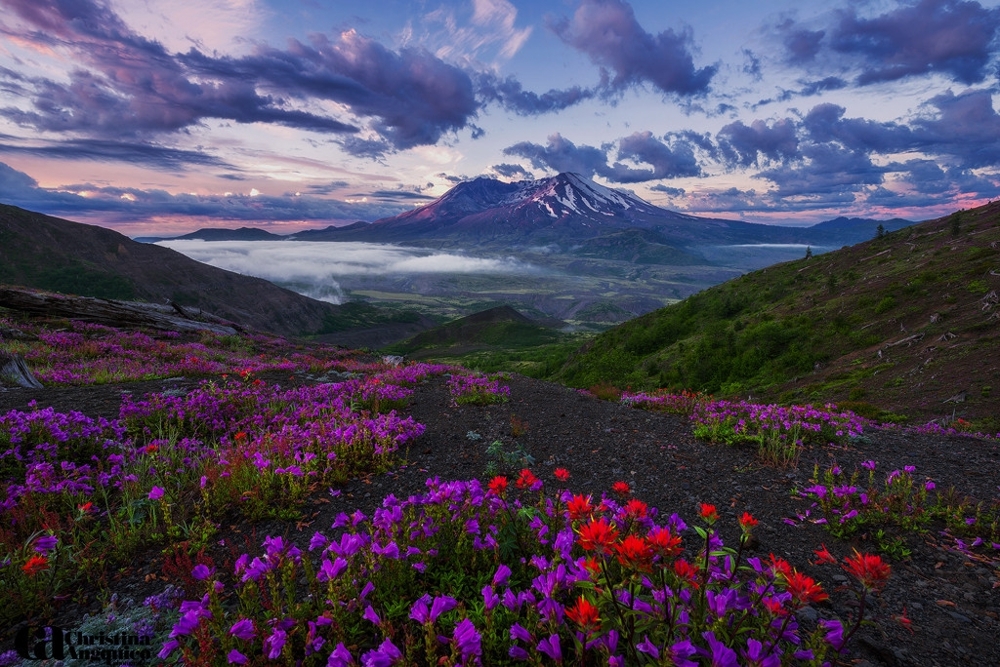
(510, 94)
(955, 38)
(562, 155)
(825, 170)
(104, 150)
(512, 171)
(745, 144)
(126, 206)
(666, 161)
(608, 32)
(964, 127)
(320, 265)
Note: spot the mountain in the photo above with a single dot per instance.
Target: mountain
(857, 230)
(58, 255)
(562, 210)
(909, 322)
(222, 234)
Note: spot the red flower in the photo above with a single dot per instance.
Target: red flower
(561, 474)
(663, 542)
(240, 435)
(579, 507)
(686, 571)
(598, 535)
(498, 485)
(621, 488)
(774, 606)
(584, 614)
(85, 507)
(526, 480)
(780, 566)
(633, 551)
(150, 449)
(708, 512)
(804, 588)
(593, 565)
(869, 569)
(823, 556)
(636, 509)
(747, 521)
(35, 565)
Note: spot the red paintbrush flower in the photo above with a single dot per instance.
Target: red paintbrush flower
(598, 535)
(561, 474)
(579, 507)
(708, 512)
(747, 522)
(804, 588)
(633, 551)
(35, 565)
(869, 569)
(686, 571)
(663, 542)
(526, 480)
(636, 509)
(584, 614)
(621, 488)
(823, 555)
(498, 485)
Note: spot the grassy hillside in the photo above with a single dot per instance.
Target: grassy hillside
(904, 322)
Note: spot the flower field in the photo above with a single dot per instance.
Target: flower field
(505, 569)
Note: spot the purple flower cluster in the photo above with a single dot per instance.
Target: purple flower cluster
(476, 389)
(361, 594)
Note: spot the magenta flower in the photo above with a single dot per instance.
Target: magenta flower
(275, 643)
(340, 657)
(550, 647)
(156, 493)
(46, 544)
(236, 658)
(201, 572)
(468, 640)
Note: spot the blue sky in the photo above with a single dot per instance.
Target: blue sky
(156, 117)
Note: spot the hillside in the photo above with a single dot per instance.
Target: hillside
(58, 255)
(905, 322)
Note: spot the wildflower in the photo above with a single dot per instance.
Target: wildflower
(46, 544)
(35, 565)
(201, 572)
(243, 629)
(869, 569)
(275, 643)
(236, 658)
(823, 556)
(85, 508)
(467, 639)
(527, 479)
(633, 551)
(663, 542)
(579, 507)
(561, 474)
(551, 648)
(709, 513)
(804, 588)
(584, 614)
(156, 493)
(597, 535)
(621, 488)
(636, 509)
(498, 485)
(747, 521)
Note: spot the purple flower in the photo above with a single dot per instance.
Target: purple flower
(371, 615)
(550, 647)
(236, 658)
(722, 655)
(201, 572)
(329, 571)
(467, 639)
(519, 633)
(383, 656)
(46, 544)
(156, 493)
(243, 629)
(275, 643)
(169, 647)
(340, 657)
(648, 647)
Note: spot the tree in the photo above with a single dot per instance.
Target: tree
(809, 252)
(880, 231)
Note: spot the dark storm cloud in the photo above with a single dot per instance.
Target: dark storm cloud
(746, 144)
(965, 127)
(608, 32)
(826, 123)
(562, 155)
(511, 171)
(825, 169)
(951, 37)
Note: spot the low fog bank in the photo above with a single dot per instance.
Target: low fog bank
(312, 268)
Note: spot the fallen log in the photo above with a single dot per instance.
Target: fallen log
(112, 312)
(14, 370)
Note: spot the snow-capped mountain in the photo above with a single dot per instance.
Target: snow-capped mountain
(565, 210)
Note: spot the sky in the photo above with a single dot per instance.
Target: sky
(164, 117)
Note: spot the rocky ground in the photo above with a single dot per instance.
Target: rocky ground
(952, 601)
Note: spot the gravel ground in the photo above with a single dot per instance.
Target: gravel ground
(952, 601)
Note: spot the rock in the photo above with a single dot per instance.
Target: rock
(14, 370)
